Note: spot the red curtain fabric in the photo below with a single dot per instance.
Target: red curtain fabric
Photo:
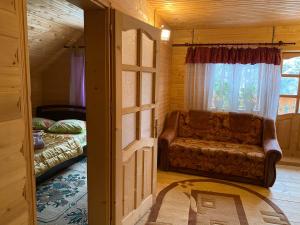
(234, 55)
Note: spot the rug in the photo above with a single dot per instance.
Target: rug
(213, 202)
(63, 199)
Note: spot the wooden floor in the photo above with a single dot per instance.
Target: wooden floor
(285, 193)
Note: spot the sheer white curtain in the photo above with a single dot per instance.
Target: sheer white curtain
(233, 87)
(197, 83)
(77, 77)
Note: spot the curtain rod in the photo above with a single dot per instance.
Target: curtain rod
(280, 43)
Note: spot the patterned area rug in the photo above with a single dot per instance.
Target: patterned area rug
(213, 202)
(63, 199)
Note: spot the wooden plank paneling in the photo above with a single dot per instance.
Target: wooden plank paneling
(10, 79)
(17, 193)
(9, 54)
(10, 104)
(51, 25)
(10, 27)
(9, 5)
(207, 13)
(283, 133)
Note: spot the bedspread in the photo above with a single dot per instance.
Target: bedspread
(58, 149)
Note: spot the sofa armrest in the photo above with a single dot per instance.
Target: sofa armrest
(166, 138)
(272, 151)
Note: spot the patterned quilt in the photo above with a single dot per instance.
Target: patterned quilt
(58, 149)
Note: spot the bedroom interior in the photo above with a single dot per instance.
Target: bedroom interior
(149, 112)
(57, 67)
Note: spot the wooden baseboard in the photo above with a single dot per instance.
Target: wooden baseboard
(290, 161)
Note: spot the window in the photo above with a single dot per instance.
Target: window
(289, 86)
(235, 86)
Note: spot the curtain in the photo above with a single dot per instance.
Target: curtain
(229, 86)
(197, 85)
(77, 77)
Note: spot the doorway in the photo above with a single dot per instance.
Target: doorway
(95, 43)
(121, 162)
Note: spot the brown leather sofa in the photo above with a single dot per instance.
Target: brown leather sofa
(235, 146)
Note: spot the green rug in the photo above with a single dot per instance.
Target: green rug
(63, 199)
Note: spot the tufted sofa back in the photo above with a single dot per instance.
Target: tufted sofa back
(232, 127)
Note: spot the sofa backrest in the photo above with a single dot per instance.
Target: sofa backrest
(219, 126)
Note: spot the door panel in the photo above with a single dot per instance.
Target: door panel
(17, 194)
(288, 132)
(135, 118)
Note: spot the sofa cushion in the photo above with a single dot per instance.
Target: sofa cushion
(218, 157)
(218, 126)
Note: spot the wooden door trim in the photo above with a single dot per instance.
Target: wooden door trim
(98, 81)
(28, 145)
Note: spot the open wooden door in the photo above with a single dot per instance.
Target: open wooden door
(134, 97)
(288, 119)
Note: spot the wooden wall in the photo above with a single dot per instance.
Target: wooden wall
(56, 80)
(56, 77)
(51, 25)
(238, 34)
(17, 195)
(164, 81)
(139, 9)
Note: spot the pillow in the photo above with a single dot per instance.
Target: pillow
(68, 127)
(41, 123)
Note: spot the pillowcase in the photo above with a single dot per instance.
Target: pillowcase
(41, 123)
(68, 127)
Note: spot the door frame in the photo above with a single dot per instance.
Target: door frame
(99, 129)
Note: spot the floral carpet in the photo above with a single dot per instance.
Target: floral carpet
(63, 199)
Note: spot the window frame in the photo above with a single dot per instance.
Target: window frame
(297, 96)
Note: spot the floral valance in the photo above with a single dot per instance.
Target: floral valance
(234, 55)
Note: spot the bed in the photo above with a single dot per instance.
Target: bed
(60, 150)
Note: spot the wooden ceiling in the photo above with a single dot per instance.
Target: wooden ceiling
(51, 25)
(219, 13)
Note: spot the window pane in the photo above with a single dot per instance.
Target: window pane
(129, 89)
(128, 129)
(291, 66)
(129, 47)
(248, 88)
(222, 82)
(235, 87)
(287, 105)
(289, 86)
